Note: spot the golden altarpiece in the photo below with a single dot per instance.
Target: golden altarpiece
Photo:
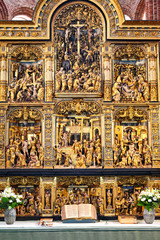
(79, 108)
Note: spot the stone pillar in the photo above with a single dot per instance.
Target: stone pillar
(48, 148)
(108, 151)
(107, 77)
(48, 79)
(3, 79)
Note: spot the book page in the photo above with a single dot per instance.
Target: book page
(69, 212)
(87, 211)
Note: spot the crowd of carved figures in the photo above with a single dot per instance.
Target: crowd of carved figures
(32, 204)
(132, 150)
(27, 82)
(78, 142)
(78, 50)
(130, 87)
(22, 152)
(126, 202)
(87, 154)
(79, 196)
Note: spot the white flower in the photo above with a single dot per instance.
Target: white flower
(149, 200)
(143, 199)
(10, 201)
(154, 199)
(18, 201)
(150, 194)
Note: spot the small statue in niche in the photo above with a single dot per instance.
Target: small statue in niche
(109, 198)
(47, 199)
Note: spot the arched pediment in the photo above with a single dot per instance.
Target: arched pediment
(115, 24)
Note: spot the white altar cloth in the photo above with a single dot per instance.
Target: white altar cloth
(102, 225)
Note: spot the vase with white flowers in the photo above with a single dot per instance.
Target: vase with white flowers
(149, 199)
(8, 201)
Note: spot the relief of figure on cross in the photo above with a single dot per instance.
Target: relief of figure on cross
(78, 54)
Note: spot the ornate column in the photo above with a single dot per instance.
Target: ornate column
(108, 151)
(48, 78)
(2, 136)
(54, 136)
(48, 148)
(107, 76)
(155, 126)
(3, 79)
(152, 72)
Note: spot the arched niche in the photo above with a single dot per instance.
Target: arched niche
(78, 135)
(24, 147)
(26, 79)
(131, 144)
(78, 33)
(130, 82)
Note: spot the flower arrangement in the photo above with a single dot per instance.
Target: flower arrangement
(149, 199)
(9, 200)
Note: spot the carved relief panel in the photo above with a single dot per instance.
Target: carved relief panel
(29, 188)
(127, 192)
(78, 135)
(78, 190)
(78, 33)
(130, 80)
(24, 148)
(26, 80)
(131, 141)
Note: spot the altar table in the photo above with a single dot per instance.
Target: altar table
(105, 230)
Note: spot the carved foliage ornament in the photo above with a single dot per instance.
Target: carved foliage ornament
(27, 52)
(130, 51)
(132, 180)
(78, 107)
(70, 181)
(130, 114)
(24, 180)
(25, 114)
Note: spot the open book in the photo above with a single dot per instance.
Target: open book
(81, 211)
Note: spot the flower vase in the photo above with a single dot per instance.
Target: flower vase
(10, 216)
(149, 216)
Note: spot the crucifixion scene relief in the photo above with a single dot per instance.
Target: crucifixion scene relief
(78, 34)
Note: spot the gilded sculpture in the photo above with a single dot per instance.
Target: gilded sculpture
(131, 147)
(77, 34)
(56, 78)
(130, 79)
(78, 142)
(27, 82)
(24, 149)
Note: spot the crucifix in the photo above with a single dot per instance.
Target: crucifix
(78, 26)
